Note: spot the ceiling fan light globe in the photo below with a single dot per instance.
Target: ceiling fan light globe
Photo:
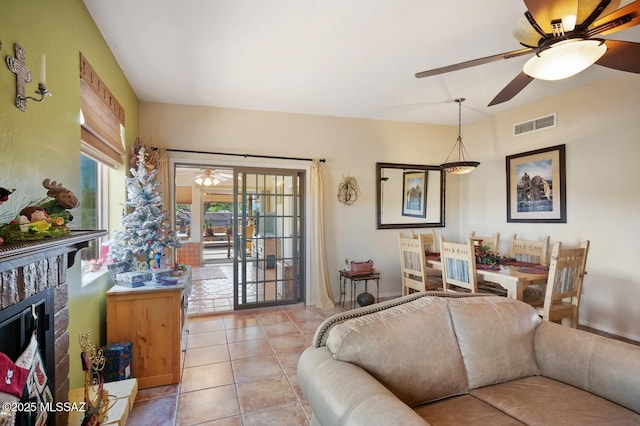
(198, 180)
(564, 59)
(207, 181)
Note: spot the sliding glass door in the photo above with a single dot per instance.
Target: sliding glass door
(268, 230)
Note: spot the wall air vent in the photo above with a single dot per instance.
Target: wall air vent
(534, 125)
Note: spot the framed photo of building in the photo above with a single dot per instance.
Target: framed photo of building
(536, 187)
(414, 194)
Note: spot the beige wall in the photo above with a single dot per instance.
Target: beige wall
(600, 126)
(350, 146)
(603, 199)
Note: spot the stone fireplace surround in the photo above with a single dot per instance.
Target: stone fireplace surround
(30, 268)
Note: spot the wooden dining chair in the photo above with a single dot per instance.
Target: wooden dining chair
(415, 275)
(458, 266)
(429, 240)
(530, 251)
(564, 284)
(493, 243)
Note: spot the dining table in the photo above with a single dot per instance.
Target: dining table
(514, 276)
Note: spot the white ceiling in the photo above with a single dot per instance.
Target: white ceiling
(351, 58)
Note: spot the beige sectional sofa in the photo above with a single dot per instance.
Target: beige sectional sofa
(424, 359)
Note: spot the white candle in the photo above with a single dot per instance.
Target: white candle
(43, 70)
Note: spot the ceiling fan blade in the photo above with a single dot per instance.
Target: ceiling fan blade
(545, 11)
(626, 17)
(590, 10)
(621, 55)
(474, 62)
(514, 87)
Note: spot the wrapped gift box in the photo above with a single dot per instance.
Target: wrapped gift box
(133, 277)
(117, 357)
(167, 280)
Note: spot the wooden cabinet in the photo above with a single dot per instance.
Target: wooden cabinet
(153, 319)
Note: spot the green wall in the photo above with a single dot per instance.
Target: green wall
(44, 141)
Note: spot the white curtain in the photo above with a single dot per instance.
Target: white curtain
(162, 165)
(320, 283)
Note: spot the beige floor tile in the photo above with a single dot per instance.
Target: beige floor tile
(283, 415)
(254, 368)
(280, 329)
(157, 411)
(204, 324)
(290, 343)
(242, 334)
(309, 326)
(229, 421)
(209, 338)
(206, 355)
(240, 321)
(264, 393)
(303, 314)
(157, 392)
(206, 376)
(249, 348)
(272, 318)
(207, 404)
(289, 360)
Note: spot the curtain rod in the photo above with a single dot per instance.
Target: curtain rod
(274, 157)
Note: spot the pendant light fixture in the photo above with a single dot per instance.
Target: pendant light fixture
(461, 166)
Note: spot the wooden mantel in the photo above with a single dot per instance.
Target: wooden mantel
(15, 255)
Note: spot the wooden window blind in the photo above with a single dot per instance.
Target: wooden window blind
(103, 115)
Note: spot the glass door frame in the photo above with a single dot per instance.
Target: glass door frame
(289, 269)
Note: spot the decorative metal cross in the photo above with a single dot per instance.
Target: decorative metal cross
(23, 75)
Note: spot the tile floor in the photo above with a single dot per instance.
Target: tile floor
(211, 295)
(239, 369)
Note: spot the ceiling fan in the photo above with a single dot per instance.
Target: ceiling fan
(562, 34)
(211, 178)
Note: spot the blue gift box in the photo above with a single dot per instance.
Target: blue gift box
(117, 357)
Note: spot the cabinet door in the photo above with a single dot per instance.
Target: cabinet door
(152, 323)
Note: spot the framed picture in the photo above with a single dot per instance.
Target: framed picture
(536, 187)
(414, 194)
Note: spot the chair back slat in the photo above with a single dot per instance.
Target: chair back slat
(493, 243)
(458, 265)
(564, 284)
(529, 250)
(413, 263)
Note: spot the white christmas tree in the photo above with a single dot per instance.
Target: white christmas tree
(147, 229)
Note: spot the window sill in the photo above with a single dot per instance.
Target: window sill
(90, 277)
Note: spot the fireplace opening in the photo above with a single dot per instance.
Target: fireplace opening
(17, 325)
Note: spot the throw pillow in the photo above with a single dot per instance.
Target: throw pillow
(411, 349)
(495, 335)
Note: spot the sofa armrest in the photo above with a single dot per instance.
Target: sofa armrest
(596, 364)
(345, 394)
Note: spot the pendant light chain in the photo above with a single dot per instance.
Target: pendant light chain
(461, 166)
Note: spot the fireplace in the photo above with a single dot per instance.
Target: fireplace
(33, 279)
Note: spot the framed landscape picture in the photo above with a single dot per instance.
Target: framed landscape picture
(536, 187)
(414, 194)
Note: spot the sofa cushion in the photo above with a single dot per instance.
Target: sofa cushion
(410, 348)
(496, 338)
(464, 410)
(538, 400)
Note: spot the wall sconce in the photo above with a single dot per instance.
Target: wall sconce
(23, 75)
